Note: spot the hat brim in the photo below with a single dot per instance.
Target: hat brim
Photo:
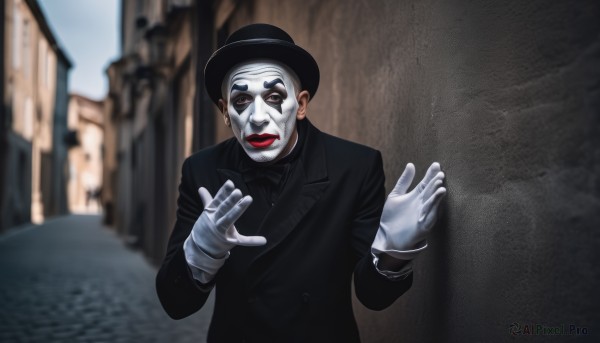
(298, 59)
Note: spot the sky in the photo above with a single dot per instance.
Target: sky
(87, 30)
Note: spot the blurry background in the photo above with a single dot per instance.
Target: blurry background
(505, 95)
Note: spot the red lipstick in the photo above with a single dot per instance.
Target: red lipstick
(261, 141)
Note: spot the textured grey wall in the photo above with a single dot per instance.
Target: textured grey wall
(505, 95)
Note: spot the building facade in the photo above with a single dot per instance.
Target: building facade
(503, 95)
(85, 121)
(151, 119)
(34, 98)
(60, 141)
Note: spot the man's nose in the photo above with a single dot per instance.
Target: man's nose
(259, 115)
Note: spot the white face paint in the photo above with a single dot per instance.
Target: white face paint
(262, 106)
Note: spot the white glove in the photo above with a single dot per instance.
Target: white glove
(214, 234)
(407, 218)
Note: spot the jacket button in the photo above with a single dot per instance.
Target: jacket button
(305, 298)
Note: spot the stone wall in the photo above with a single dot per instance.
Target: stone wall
(505, 96)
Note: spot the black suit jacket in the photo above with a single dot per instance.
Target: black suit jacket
(296, 288)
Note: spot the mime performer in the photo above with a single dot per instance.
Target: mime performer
(280, 218)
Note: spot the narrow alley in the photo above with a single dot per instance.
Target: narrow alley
(114, 113)
(73, 280)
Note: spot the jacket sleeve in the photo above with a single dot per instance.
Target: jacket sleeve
(178, 292)
(373, 289)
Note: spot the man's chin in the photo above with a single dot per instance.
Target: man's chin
(262, 155)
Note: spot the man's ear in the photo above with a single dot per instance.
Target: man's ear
(303, 98)
(223, 108)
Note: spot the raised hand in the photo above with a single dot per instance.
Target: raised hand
(407, 218)
(214, 231)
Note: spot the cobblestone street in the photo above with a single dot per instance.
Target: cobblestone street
(73, 280)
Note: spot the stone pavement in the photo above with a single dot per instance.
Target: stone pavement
(73, 280)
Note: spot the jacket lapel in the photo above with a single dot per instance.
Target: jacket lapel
(305, 185)
(236, 177)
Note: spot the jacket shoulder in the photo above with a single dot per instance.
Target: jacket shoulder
(211, 155)
(340, 150)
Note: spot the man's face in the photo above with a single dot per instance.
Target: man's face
(262, 106)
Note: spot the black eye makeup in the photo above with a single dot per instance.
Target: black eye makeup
(241, 102)
(274, 98)
(274, 95)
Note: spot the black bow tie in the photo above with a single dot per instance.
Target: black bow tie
(271, 175)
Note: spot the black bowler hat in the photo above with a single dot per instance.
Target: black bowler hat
(260, 41)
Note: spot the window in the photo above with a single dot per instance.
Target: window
(140, 6)
(16, 39)
(28, 119)
(26, 48)
(23, 164)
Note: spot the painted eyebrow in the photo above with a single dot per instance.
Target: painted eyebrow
(242, 88)
(269, 85)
